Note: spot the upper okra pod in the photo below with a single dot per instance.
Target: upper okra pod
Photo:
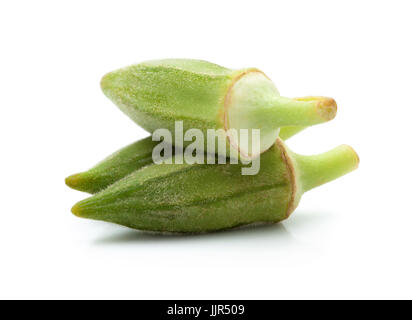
(156, 94)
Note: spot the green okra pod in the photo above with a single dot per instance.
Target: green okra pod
(201, 197)
(126, 160)
(156, 94)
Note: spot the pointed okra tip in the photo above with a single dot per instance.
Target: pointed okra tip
(81, 209)
(76, 210)
(105, 80)
(73, 181)
(82, 181)
(109, 81)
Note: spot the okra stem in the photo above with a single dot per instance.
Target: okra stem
(305, 111)
(288, 132)
(316, 170)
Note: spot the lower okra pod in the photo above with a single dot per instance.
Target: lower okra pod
(202, 197)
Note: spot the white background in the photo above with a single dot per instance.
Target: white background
(348, 239)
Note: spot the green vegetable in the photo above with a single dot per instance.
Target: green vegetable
(125, 161)
(205, 96)
(114, 167)
(200, 198)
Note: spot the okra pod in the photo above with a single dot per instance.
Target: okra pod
(202, 197)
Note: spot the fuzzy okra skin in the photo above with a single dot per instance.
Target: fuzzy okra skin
(114, 167)
(125, 161)
(205, 96)
(201, 198)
